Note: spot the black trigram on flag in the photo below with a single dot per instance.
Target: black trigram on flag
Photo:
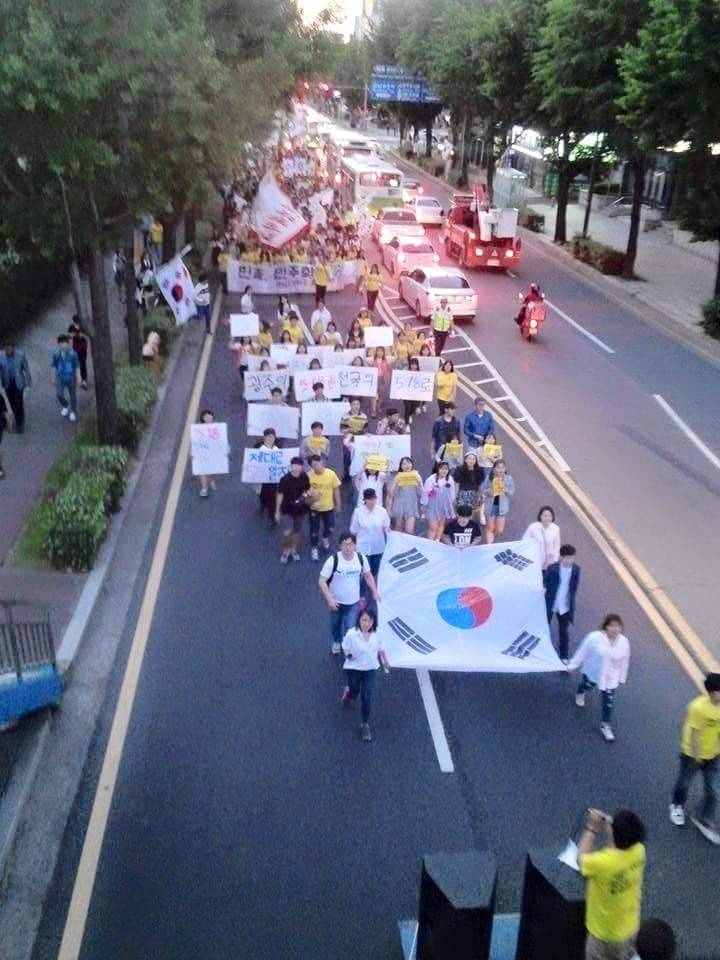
(522, 646)
(511, 559)
(408, 636)
(409, 560)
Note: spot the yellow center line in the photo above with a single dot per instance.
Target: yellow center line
(87, 870)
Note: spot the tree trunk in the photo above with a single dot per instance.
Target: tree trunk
(191, 223)
(81, 307)
(638, 168)
(717, 277)
(591, 185)
(402, 123)
(428, 139)
(490, 173)
(134, 333)
(562, 201)
(169, 226)
(102, 350)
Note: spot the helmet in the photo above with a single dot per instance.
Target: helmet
(534, 288)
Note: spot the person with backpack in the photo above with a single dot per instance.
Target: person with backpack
(66, 364)
(339, 583)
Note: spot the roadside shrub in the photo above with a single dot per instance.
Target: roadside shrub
(162, 322)
(135, 390)
(110, 463)
(711, 318)
(455, 178)
(78, 523)
(606, 259)
(532, 220)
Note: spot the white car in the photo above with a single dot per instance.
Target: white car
(404, 254)
(428, 210)
(396, 222)
(424, 288)
(411, 189)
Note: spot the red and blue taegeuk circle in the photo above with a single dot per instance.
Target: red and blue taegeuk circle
(464, 607)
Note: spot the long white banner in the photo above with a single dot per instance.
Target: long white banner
(287, 277)
(479, 609)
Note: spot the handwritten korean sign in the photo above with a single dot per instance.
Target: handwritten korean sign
(412, 385)
(258, 385)
(263, 465)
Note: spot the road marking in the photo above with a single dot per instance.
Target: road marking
(520, 419)
(475, 363)
(391, 292)
(404, 316)
(689, 433)
(586, 333)
(512, 274)
(502, 400)
(539, 443)
(486, 380)
(437, 730)
(92, 846)
(455, 350)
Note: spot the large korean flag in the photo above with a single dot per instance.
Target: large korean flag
(176, 285)
(478, 609)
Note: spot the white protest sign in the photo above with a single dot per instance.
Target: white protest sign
(287, 278)
(412, 385)
(346, 357)
(378, 336)
(329, 413)
(429, 363)
(304, 381)
(258, 385)
(478, 609)
(390, 445)
(299, 361)
(283, 419)
(282, 353)
(244, 324)
(254, 362)
(357, 381)
(322, 353)
(209, 449)
(263, 465)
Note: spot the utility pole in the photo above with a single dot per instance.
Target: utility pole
(591, 183)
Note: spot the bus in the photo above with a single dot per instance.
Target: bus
(369, 178)
(344, 143)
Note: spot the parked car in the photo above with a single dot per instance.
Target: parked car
(396, 222)
(424, 288)
(403, 254)
(428, 210)
(411, 189)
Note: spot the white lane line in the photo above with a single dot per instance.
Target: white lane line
(462, 366)
(404, 316)
(502, 399)
(520, 419)
(455, 350)
(486, 380)
(689, 433)
(580, 329)
(391, 292)
(512, 274)
(437, 730)
(540, 443)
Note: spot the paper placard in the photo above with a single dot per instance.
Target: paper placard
(209, 449)
(493, 451)
(391, 445)
(429, 363)
(303, 384)
(412, 385)
(329, 414)
(244, 324)
(300, 361)
(262, 465)
(281, 353)
(346, 358)
(378, 336)
(258, 385)
(254, 362)
(284, 420)
(357, 381)
(323, 353)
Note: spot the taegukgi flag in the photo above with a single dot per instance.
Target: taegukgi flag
(177, 287)
(479, 609)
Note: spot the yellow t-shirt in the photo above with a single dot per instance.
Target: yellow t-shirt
(408, 478)
(264, 339)
(446, 385)
(614, 890)
(322, 275)
(223, 261)
(156, 232)
(402, 350)
(364, 321)
(296, 332)
(252, 256)
(703, 716)
(324, 483)
(373, 282)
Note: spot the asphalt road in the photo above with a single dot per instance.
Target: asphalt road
(655, 487)
(250, 821)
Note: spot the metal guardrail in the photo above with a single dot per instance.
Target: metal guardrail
(26, 641)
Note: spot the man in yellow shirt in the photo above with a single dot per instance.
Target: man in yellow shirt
(324, 502)
(700, 749)
(322, 279)
(614, 883)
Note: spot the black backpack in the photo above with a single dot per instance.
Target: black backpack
(335, 565)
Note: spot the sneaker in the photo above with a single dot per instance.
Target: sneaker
(72, 418)
(336, 649)
(314, 555)
(346, 701)
(407, 428)
(204, 492)
(606, 731)
(213, 485)
(325, 543)
(579, 699)
(708, 830)
(365, 732)
(84, 385)
(64, 411)
(564, 661)
(284, 558)
(423, 408)
(295, 556)
(677, 815)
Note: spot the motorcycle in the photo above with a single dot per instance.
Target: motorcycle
(531, 317)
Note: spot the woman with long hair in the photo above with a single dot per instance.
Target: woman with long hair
(604, 656)
(363, 655)
(439, 500)
(404, 496)
(497, 489)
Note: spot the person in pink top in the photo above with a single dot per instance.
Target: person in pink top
(546, 533)
(604, 656)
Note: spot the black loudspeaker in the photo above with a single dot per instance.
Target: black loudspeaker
(457, 902)
(552, 921)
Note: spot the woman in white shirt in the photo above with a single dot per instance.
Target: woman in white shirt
(373, 479)
(604, 656)
(246, 302)
(370, 524)
(546, 534)
(363, 655)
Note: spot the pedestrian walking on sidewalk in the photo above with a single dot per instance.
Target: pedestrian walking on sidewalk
(561, 581)
(604, 656)
(339, 583)
(324, 501)
(614, 882)
(6, 419)
(202, 300)
(497, 489)
(546, 533)
(291, 505)
(15, 379)
(66, 365)
(80, 346)
(699, 752)
(442, 325)
(364, 653)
